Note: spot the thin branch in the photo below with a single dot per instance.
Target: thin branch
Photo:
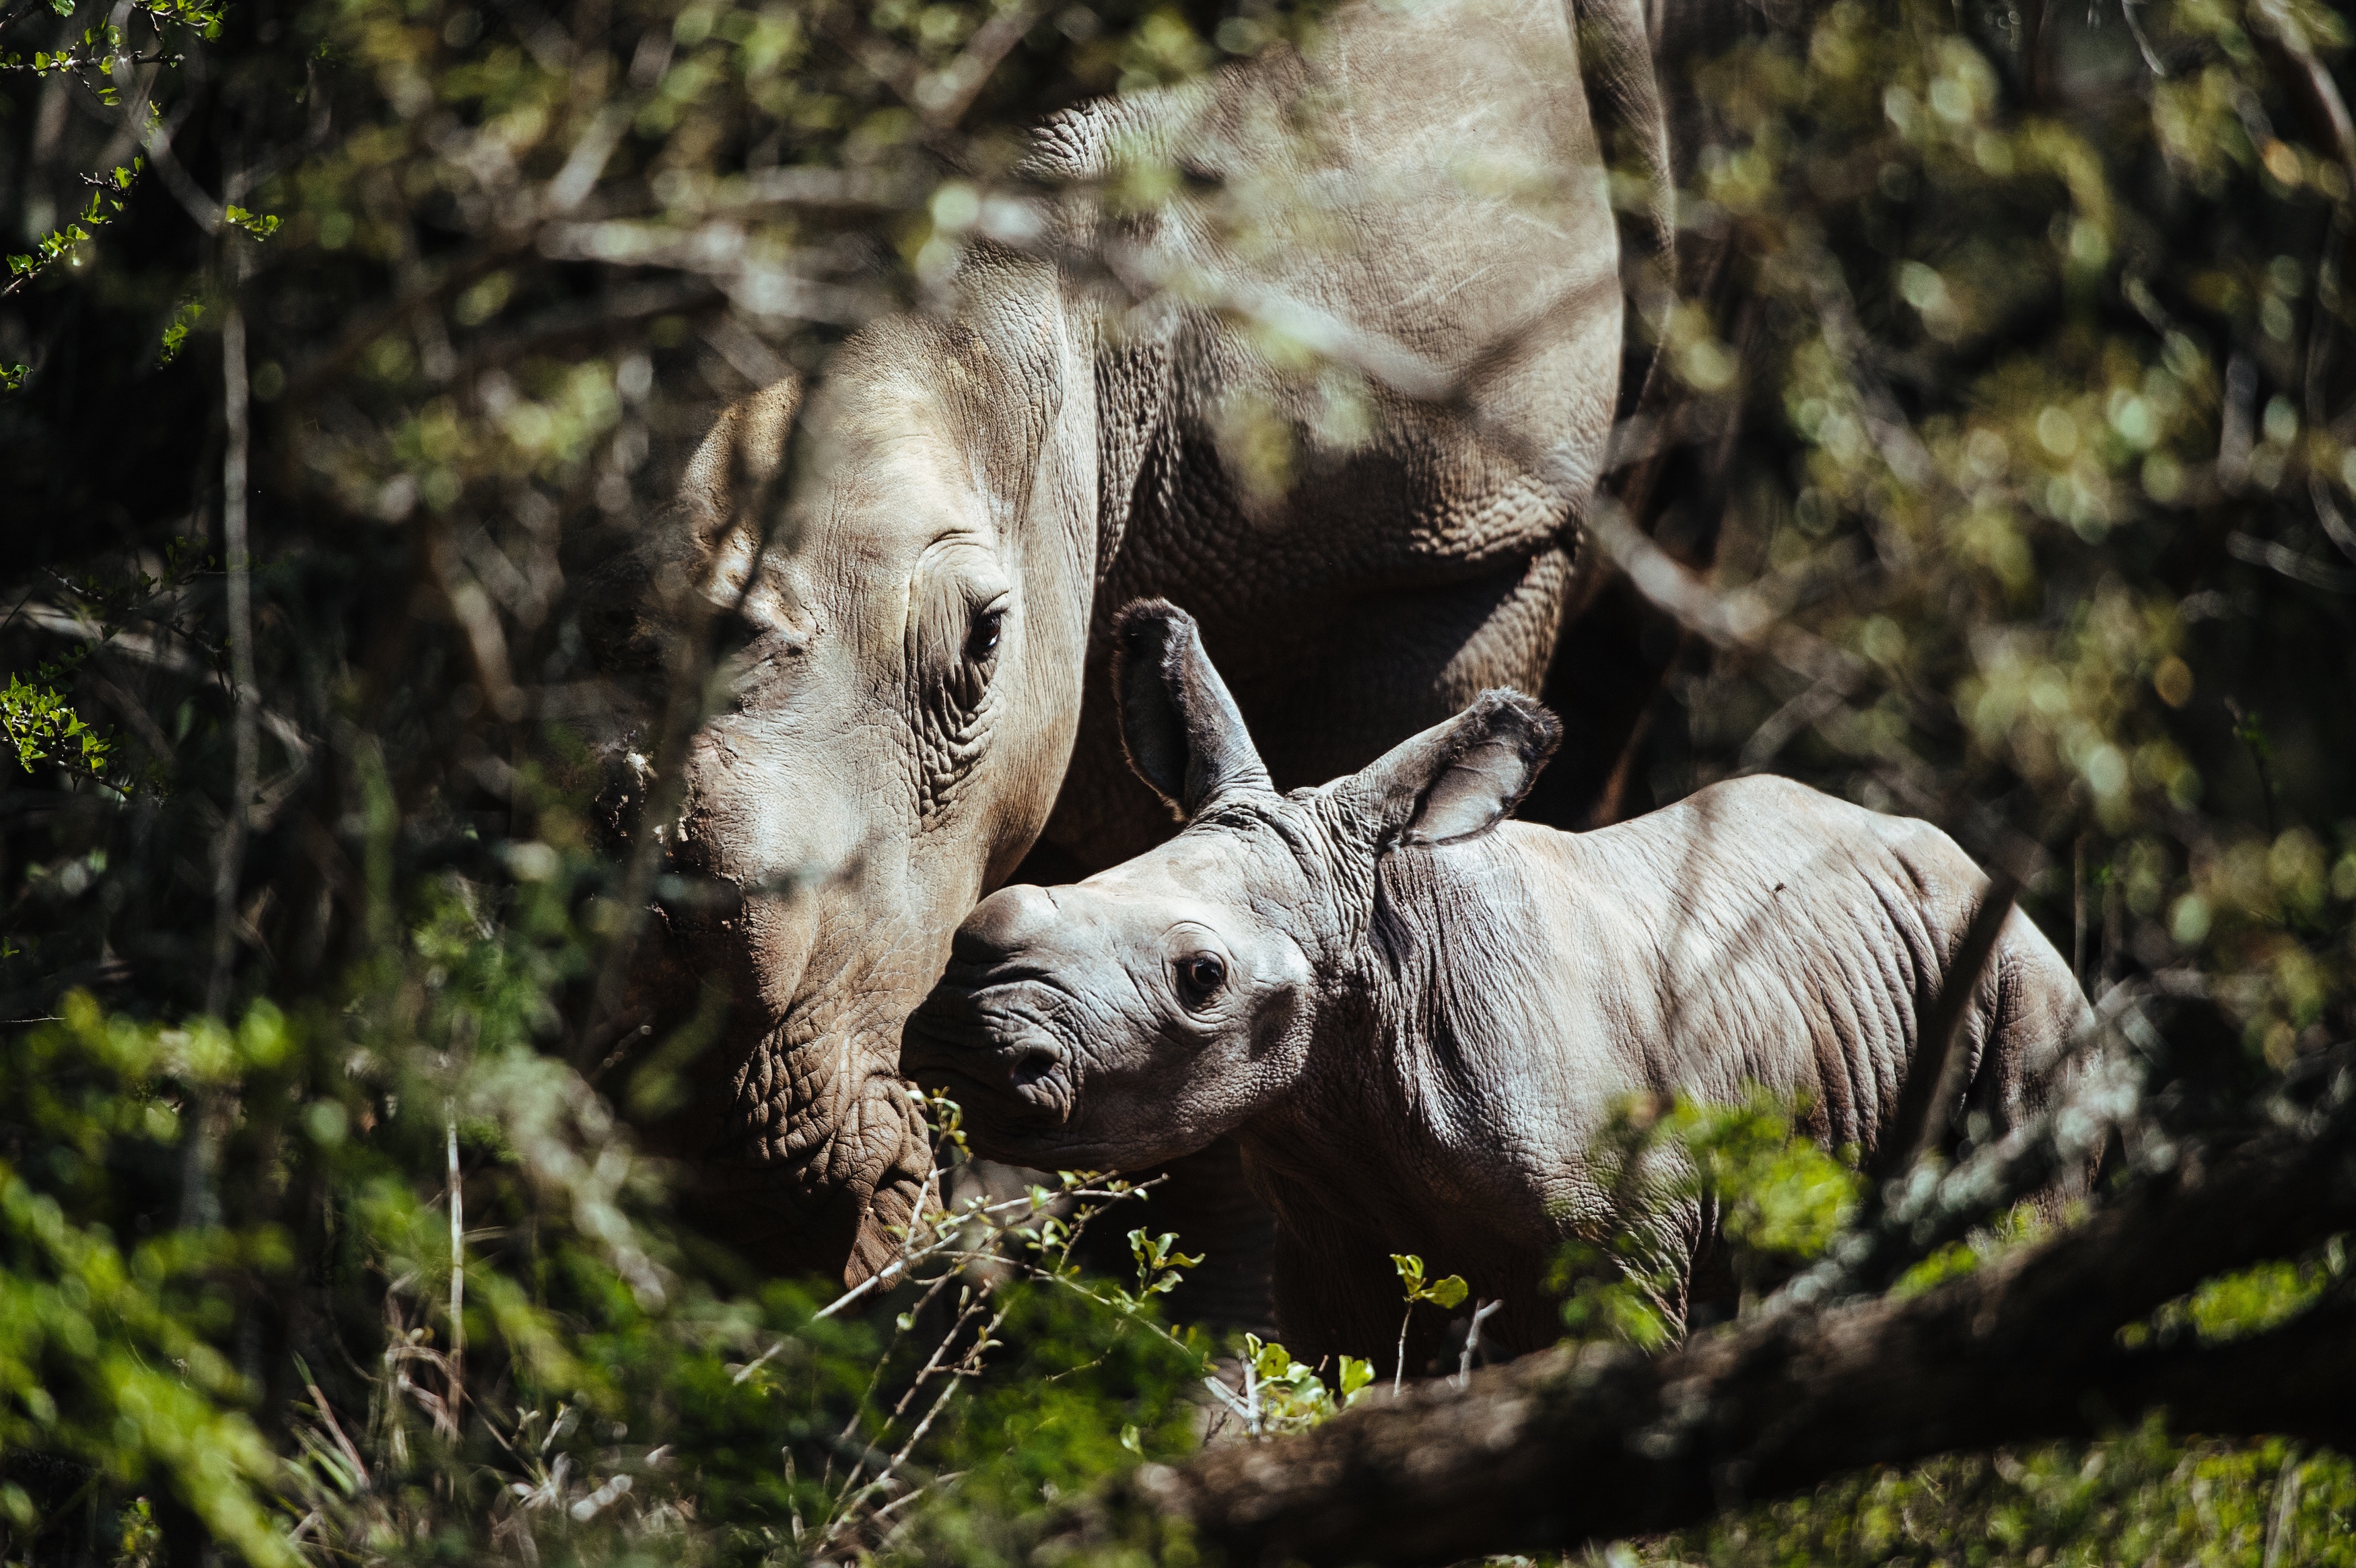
(160, 654)
(945, 95)
(1934, 1084)
(2279, 1526)
(2281, 557)
(236, 549)
(457, 1367)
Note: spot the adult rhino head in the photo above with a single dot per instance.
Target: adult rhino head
(899, 598)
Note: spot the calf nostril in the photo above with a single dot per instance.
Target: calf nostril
(1007, 919)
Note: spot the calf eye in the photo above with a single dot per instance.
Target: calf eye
(1200, 974)
(981, 641)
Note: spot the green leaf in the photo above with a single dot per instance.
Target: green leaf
(1449, 1292)
(262, 226)
(176, 334)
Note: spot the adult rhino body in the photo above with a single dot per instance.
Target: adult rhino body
(918, 591)
(1418, 1020)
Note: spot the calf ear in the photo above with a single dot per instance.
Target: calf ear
(1181, 729)
(1459, 777)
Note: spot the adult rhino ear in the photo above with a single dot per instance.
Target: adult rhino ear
(738, 466)
(1182, 730)
(1459, 777)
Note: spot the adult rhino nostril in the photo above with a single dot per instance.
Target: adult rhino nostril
(1008, 920)
(1029, 1062)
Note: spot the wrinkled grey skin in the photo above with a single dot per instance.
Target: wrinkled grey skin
(1415, 1018)
(922, 625)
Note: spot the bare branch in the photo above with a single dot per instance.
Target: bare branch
(1934, 1085)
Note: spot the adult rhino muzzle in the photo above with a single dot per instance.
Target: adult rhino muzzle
(997, 1035)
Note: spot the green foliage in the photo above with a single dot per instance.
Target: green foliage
(1778, 1200)
(38, 718)
(1779, 1196)
(1613, 1292)
(42, 726)
(115, 1354)
(105, 44)
(1275, 1394)
(1084, 1394)
(175, 331)
(105, 207)
(597, 1390)
(1442, 1293)
(1445, 1293)
(2140, 1499)
(261, 225)
(1161, 1266)
(2010, 1229)
(2250, 1302)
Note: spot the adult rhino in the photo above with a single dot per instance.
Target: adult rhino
(921, 553)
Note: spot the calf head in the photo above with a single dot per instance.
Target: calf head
(1134, 1016)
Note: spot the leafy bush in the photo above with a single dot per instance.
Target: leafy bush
(419, 1302)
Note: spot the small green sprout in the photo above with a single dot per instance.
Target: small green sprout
(1443, 1293)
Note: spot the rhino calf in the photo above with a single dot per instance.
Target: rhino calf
(1416, 1017)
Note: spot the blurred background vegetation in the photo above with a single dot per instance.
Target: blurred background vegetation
(1996, 468)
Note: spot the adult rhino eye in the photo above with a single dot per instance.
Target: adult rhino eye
(1200, 974)
(981, 641)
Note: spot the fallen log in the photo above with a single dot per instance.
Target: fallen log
(1586, 1445)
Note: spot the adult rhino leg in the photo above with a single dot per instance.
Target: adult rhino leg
(1605, 683)
(1617, 649)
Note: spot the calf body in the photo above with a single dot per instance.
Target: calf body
(1523, 982)
(1418, 1020)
